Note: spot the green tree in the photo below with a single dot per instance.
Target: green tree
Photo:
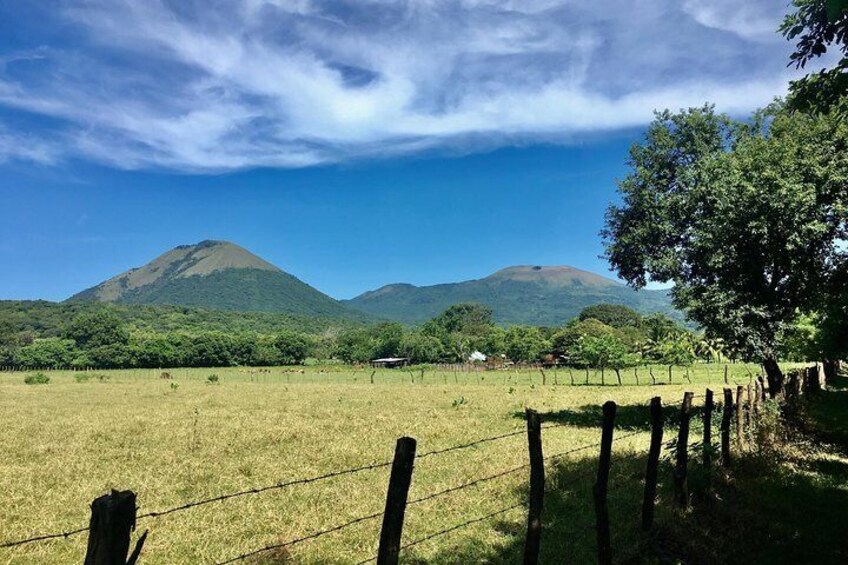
(564, 341)
(818, 25)
(292, 347)
(421, 348)
(97, 329)
(603, 352)
(614, 315)
(743, 218)
(46, 352)
(525, 343)
(470, 319)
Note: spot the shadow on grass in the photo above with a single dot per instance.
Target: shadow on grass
(780, 509)
(628, 417)
(568, 519)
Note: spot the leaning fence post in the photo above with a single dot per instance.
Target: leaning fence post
(112, 520)
(740, 418)
(653, 464)
(708, 431)
(601, 485)
(399, 481)
(681, 488)
(537, 488)
(725, 427)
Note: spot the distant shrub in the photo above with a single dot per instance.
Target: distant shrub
(212, 379)
(85, 377)
(174, 386)
(459, 402)
(37, 379)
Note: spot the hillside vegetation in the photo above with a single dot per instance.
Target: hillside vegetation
(531, 295)
(216, 275)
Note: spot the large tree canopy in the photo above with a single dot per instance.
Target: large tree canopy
(745, 218)
(818, 25)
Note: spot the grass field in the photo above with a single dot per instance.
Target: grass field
(174, 441)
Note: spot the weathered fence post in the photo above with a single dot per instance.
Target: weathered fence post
(725, 374)
(708, 431)
(739, 416)
(749, 420)
(669, 374)
(112, 520)
(399, 482)
(653, 464)
(601, 485)
(762, 388)
(725, 427)
(537, 489)
(681, 466)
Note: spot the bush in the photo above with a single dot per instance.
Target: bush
(37, 379)
(212, 379)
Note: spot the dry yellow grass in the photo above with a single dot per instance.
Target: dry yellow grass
(67, 442)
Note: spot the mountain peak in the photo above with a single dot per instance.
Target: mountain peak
(218, 275)
(558, 275)
(521, 294)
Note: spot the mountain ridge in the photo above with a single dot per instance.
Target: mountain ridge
(216, 274)
(520, 294)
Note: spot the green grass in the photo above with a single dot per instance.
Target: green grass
(66, 443)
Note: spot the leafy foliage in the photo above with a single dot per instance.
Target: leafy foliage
(819, 25)
(511, 300)
(742, 217)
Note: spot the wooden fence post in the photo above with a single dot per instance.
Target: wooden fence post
(681, 487)
(725, 374)
(708, 431)
(399, 482)
(653, 464)
(601, 485)
(532, 542)
(749, 420)
(112, 520)
(727, 412)
(762, 389)
(669, 374)
(740, 418)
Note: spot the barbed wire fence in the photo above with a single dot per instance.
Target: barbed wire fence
(119, 508)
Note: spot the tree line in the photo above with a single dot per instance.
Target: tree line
(604, 336)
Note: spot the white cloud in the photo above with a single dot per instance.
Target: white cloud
(281, 83)
(24, 147)
(751, 20)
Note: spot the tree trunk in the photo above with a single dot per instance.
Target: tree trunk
(774, 376)
(831, 371)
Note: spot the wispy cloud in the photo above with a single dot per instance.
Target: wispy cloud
(290, 83)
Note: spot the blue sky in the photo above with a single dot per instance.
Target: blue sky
(354, 143)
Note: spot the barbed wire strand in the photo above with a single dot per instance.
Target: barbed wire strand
(302, 539)
(452, 529)
(470, 444)
(44, 537)
(257, 490)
